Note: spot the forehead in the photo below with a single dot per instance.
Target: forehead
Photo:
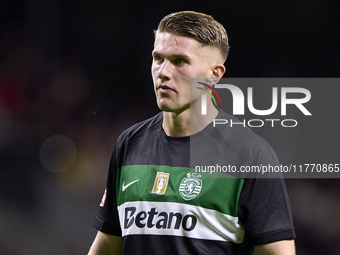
(167, 43)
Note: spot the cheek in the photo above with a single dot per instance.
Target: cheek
(154, 71)
(184, 73)
(201, 70)
(196, 71)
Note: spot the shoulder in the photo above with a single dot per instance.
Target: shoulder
(237, 136)
(141, 128)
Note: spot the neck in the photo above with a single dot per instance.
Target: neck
(187, 122)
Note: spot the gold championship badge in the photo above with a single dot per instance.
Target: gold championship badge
(161, 183)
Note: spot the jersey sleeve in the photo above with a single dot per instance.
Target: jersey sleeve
(264, 208)
(107, 219)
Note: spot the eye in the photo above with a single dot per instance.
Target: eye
(180, 61)
(158, 59)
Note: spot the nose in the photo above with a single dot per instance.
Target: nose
(164, 72)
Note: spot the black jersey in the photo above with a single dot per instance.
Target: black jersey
(159, 205)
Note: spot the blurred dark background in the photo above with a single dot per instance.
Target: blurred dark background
(74, 74)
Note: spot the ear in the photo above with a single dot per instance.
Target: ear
(217, 73)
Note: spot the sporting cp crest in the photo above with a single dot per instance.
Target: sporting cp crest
(190, 187)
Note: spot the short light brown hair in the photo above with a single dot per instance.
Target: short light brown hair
(199, 26)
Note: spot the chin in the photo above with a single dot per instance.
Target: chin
(164, 105)
(165, 108)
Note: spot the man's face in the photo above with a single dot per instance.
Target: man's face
(176, 59)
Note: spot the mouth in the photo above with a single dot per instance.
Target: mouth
(164, 88)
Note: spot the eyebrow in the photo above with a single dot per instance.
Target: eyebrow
(185, 56)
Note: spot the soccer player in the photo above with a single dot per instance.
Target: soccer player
(153, 203)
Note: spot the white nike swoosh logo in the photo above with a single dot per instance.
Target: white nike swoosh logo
(124, 187)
